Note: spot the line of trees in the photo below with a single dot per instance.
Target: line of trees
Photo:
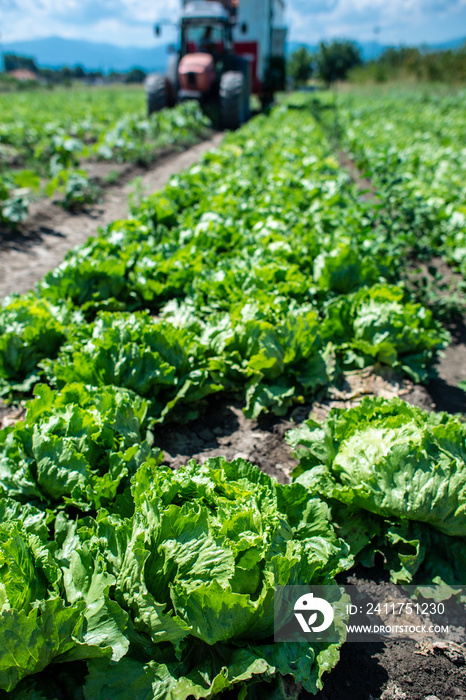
(66, 75)
(342, 60)
(447, 66)
(13, 62)
(332, 61)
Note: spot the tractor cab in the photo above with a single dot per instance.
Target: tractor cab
(206, 44)
(205, 28)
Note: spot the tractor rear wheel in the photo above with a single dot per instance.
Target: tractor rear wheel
(156, 92)
(232, 99)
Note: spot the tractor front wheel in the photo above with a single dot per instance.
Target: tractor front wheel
(156, 92)
(233, 99)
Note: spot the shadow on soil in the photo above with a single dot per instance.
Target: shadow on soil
(357, 676)
(446, 397)
(23, 238)
(451, 368)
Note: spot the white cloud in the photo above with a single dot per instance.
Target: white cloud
(397, 21)
(124, 22)
(129, 22)
(134, 10)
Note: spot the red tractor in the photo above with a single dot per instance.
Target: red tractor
(227, 52)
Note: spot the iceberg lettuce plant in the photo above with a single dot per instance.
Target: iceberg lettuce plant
(395, 477)
(187, 609)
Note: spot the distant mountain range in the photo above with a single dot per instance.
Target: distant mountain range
(55, 52)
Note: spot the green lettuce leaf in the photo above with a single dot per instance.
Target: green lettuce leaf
(395, 477)
(31, 329)
(36, 624)
(378, 325)
(167, 365)
(197, 567)
(76, 447)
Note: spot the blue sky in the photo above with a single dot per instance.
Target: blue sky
(129, 22)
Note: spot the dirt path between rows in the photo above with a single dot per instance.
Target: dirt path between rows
(41, 244)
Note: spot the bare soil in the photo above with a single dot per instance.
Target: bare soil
(451, 369)
(431, 669)
(395, 670)
(222, 430)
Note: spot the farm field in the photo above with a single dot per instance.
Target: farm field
(70, 144)
(37, 246)
(254, 288)
(416, 157)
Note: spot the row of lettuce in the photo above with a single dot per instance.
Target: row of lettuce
(412, 145)
(46, 129)
(118, 573)
(258, 273)
(47, 140)
(169, 592)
